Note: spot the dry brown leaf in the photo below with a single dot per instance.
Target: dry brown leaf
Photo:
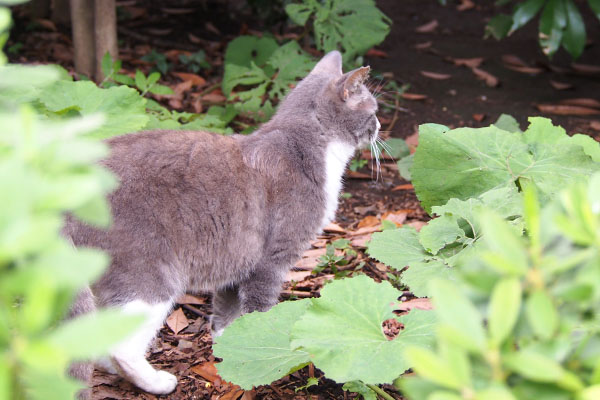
(190, 299)
(428, 27)
(159, 31)
(196, 79)
(176, 103)
(334, 228)
(377, 53)
(249, 395)
(357, 175)
(489, 79)
(465, 5)
(468, 62)
(307, 264)
(413, 96)
(583, 102)
(362, 210)
(586, 69)
(360, 241)
(297, 276)
(560, 85)
(420, 304)
(367, 221)
(214, 98)
(207, 370)
(525, 70)
(177, 321)
(435, 75)
(381, 267)
(413, 141)
(364, 231)
(314, 252)
(511, 59)
(566, 109)
(416, 224)
(595, 125)
(423, 46)
(478, 117)
(46, 23)
(318, 243)
(182, 87)
(397, 217)
(406, 186)
(233, 394)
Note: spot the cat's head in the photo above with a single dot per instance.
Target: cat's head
(340, 103)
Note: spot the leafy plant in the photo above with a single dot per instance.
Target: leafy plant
(560, 23)
(159, 60)
(335, 262)
(145, 84)
(263, 72)
(47, 169)
(351, 26)
(539, 296)
(195, 61)
(357, 163)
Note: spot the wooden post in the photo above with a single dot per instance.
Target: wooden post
(105, 24)
(82, 25)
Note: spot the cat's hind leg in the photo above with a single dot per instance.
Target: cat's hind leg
(226, 307)
(128, 357)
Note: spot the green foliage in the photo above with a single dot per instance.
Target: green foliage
(159, 60)
(263, 72)
(336, 262)
(337, 332)
(540, 297)
(195, 61)
(560, 23)
(351, 26)
(145, 84)
(47, 169)
(357, 163)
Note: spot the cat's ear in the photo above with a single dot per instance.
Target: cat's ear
(349, 84)
(330, 64)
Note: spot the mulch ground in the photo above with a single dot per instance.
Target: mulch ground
(452, 76)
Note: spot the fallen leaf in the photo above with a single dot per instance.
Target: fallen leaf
(297, 276)
(196, 79)
(423, 45)
(318, 243)
(560, 85)
(489, 79)
(334, 228)
(381, 267)
(420, 304)
(511, 59)
(182, 87)
(177, 321)
(195, 39)
(583, 102)
(465, 5)
(595, 125)
(565, 109)
(46, 23)
(586, 69)
(360, 241)
(413, 96)
(397, 217)
(416, 224)
(234, 394)
(357, 175)
(435, 75)
(207, 370)
(376, 53)
(525, 70)
(314, 252)
(214, 98)
(428, 27)
(159, 31)
(190, 299)
(406, 186)
(468, 62)
(369, 220)
(364, 231)
(362, 210)
(296, 293)
(175, 103)
(478, 117)
(249, 395)
(412, 141)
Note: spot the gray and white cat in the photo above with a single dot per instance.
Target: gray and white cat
(198, 211)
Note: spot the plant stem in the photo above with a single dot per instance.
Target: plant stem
(380, 391)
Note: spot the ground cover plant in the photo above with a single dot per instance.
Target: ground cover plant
(484, 185)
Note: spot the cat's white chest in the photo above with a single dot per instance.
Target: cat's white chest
(337, 156)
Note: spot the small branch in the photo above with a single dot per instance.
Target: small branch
(194, 310)
(380, 391)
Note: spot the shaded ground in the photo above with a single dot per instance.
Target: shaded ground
(458, 100)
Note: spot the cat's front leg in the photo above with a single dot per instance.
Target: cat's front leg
(261, 290)
(226, 307)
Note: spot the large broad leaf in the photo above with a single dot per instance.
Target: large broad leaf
(342, 331)
(255, 348)
(397, 247)
(123, 107)
(466, 162)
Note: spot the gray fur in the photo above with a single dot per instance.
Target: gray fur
(198, 211)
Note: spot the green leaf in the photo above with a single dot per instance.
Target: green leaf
(342, 331)
(507, 253)
(541, 314)
(499, 26)
(574, 36)
(432, 367)
(71, 336)
(525, 12)
(589, 145)
(552, 25)
(255, 348)
(595, 6)
(534, 366)
(419, 274)
(507, 123)
(499, 392)
(444, 395)
(459, 315)
(153, 78)
(360, 388)
(395, 148)
(503, 310)
(161, 90)
(404, 166)
(299, 13)
(397, 248)
(439, 232)
(107, 65)
(123, 107)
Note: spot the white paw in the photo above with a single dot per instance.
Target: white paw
(217, 333)
(104, 364)
(164, 383)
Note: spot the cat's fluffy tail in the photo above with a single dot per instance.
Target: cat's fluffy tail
(84, 303)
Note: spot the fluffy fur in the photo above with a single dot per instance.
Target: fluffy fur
(197, 211)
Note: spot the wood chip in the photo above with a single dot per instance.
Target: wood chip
(364, 231)
(489, 79)
(478, 117)
(413, 96)
(468, 62)
(511, 59)
(465, 5)
(565, 109)
(435, 75)
(190, 299)
(334, 228)
(207, 370)
(297, 276)
(177, 321)
(406, 186)
(357, 175)
(233, 394)
(525, 70)
(595, 125)
(586, 69)
(295, 293)
(318, 243)
(428, 27)
(423, 45)
(413, 141)
(560, 85)
(377, 53)
(583, 102)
